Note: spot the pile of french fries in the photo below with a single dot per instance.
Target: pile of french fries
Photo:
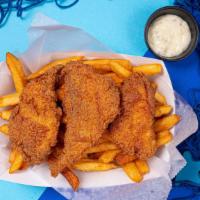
(106, 155)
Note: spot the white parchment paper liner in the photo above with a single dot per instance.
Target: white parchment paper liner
(49, 41)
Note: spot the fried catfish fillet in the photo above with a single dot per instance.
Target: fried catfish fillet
(90, 103)
(133, 130)
(34, 123)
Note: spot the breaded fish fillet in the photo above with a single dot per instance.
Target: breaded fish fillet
(90, 104)
(34, 123)
(133, 131)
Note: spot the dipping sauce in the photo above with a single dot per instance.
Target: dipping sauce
(169, 35)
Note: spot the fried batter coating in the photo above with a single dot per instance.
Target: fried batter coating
(90, 104)
(34, 123)
(133, 130)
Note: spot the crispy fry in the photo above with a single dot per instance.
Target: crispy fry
(166, 123)
(9, 100)
(142, 166)
(120, 70)
(4, 129)
(13, 153)
(122, 159)
(125, 63)
(108, 156)
(18, 64)
(162, 134)
(71, 178)
(133, 172)
(164, 138)
(104, 64)
(100, 65)
(115, 78)
(94, 166)
(16, 69)
(162, 110)
(17, 163)
(83, 160)
(160, 98)
(43, 69)
(149, 69)
(5, 114)
(101, 147)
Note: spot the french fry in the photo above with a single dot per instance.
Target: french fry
(162, 110)
(149, 69)
(120, 70)
(50, 65)
(4, 129)
(133, 172)
(115, 78)
(94, 166)
(18, 64)
(9, 100)
(71, 178)
(17, 72)
(83, 160)
(5, 114)
(160, 98)
(12, 156)
(142, 166)
(104, 64)
(100, 65)
(164, 137)
(16, 164)
(125, 63)
(162, 134)
(108, 156)
(166, 123)
(97, 62)
(122, 159)
(101, 147)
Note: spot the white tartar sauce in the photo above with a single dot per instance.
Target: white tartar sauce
(169, 35)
